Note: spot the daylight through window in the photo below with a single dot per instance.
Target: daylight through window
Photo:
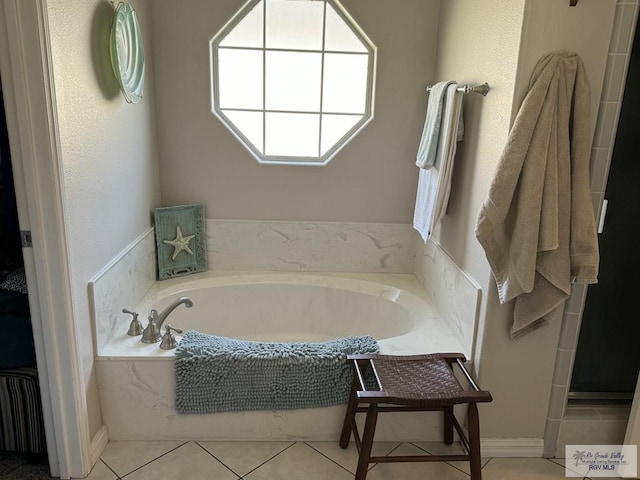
(293, 79)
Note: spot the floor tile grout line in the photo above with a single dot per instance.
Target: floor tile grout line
(151, 461)
(552, 460)
(395, 448)
(448, 463)
(268, 460)
(420, 448)
(390, 452)
(218, 460)
(432, 453)
(112, 470)
(459, 469)
(413, 444)
(329, 458)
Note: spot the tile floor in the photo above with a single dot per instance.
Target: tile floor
(297, 460)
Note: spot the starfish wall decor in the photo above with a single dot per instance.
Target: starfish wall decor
(180, 243)
(180, 240)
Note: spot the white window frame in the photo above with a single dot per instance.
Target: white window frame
(320, 159)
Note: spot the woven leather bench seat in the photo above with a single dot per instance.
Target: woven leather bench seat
(386, 383)
(21, 423)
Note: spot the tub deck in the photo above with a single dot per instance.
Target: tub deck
(428, 334)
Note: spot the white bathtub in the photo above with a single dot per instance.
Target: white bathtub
(136, 380)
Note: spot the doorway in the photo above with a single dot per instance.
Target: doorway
(607, 357)
(22, 432)
(27, 80)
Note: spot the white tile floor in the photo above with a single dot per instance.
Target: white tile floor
(297, 460)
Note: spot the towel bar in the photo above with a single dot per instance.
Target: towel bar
(481, 89)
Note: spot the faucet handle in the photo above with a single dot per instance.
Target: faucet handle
(135, 328)
(168, 328)
(168, 340)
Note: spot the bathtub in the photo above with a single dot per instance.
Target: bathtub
(136, 380)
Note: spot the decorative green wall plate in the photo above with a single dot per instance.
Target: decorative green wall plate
(180, 240)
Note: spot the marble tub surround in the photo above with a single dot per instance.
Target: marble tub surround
(455, 295)
(238, 245)
(137, 401)
(137, 383)
(122, 284)
(245, 246)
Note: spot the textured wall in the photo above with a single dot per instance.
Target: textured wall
(108, 151)
(501, 43)
(372, 179)
(479, 45)
(527, 381)
(111, 173)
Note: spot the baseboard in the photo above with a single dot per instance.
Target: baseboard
(98, 442)
(512, 447)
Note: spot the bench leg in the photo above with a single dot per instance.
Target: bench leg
(367, 442)
(448, 425)
(474, 442)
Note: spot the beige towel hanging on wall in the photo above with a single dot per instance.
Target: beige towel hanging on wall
(537, 225)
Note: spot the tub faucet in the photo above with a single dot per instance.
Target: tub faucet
(168, 340)
(135, 328)
(152, 333)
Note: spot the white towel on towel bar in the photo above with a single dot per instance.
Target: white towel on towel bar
(434, 184)
(428, 148)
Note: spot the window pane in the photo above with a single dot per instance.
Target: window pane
(292, 134)
(339, 36)
(334, 127)
(293, 81)
(294, 24)
(250, 124)
(345, 83)
(291, 78)
(240, 78)
(248, 32)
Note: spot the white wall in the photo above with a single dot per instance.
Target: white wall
(500, 43)
(373, 179)
(108, 151)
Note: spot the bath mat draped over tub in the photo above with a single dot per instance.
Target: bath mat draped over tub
(220, 374)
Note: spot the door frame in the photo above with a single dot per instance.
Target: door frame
(632, 435)
(32, 121)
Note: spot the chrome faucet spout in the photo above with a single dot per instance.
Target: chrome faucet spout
(167, 311)
(152, 333)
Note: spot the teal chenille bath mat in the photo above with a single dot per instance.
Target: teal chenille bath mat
(220, 374)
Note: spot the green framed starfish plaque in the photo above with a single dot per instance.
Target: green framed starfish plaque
(180, 240)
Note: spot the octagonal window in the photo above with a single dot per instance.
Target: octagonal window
(292, 79)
